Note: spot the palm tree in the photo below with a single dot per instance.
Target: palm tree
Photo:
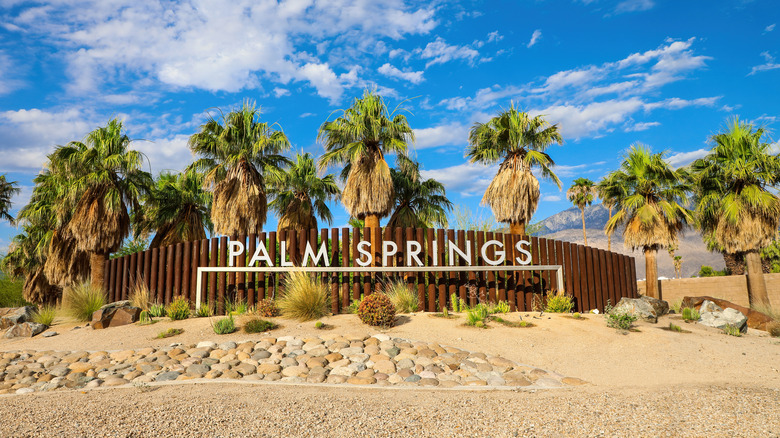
(652, 206)
(735, 204)
(418, 203)
(300, 196)
(518, 141)
(177, 209)
(7, 191)
(361, 137)
(105, 182)
(581, 194)
(236, 153)
(609, 191)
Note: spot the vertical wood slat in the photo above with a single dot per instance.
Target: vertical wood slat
(462, 276)
(259, 278)
(597, 279)
(170, 254)
(194, 256)
(560, 259)
(605, 286)
(491, 275)
(272, 278)
(204, 261)
(452, 281)
(429, 251)
(132, 269)
(345, 260)
(501, 275)
(442, 277)
(472, 278)
(107, 279)
(148, 269)
(632, 286)
(251, 280)
(213, 277)
(615, 278)
(622, 270)
(411, 277)
(544, 276)
(177, 260)
(629, 271)
(583, 276)
(123, 290)
(570, 274)
(110, 277)
(552, 257)
(511, 287)
(536, 279)
(334, 279)
(241, 295)
(222, 278)
(591, 277)
(419, 235)
(481, 276)
(155, 277)
(356, 277)
(371, 236)
(139, 269)
(186, 264)
(231, 276)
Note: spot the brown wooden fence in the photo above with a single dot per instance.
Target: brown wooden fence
(592, 276)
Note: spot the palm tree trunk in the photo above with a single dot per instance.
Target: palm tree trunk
(651, 273)
(755, 278)
(584, 234)
(517, 228)
(609, 235)
(97, 262)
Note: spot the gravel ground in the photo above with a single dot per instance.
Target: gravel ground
(283, 410)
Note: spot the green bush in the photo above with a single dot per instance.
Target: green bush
(170, 332)
(45, 315)
(618, 320)
(319, 325)
(732, 330)
(267, 308)
(225, 326)
(236, 307)
(477, 315)
(305, 298)
(404, 298)
(157, 311)
(144, 318)
(205, 310)
(689, 314)
(500, 307)
(559, 303)
(354, 305)
(708, 271)
(675, 328)
(257, 325)
(83, 300)
(11, 292)
(178, 309)
(377, 310)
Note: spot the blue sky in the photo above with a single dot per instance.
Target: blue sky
(609, 72)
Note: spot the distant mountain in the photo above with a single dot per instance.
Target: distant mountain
(567, 226)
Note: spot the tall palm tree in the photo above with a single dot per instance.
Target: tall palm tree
(735, 203)
(519, 142)
(177, 209)
(652, 207)
(300, 196)
(610, 190)
(106, 182)
(7, 191)
(581, 194)
(418, 203)
(236, 152)
(361, 137)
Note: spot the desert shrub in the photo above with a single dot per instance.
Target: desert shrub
(576, 315)
(477, 315)
(767, 310)
(690, 314)
(500, 307)
(11, 292)
(618, 320)
(178, 309)
(773, 328)
(170, 332)
(157, 310)
(257, 325)
(224, 326)
(404, 298)
(83, 300)
(675, 306)
(236, 307)
(675, 328)
(305, 298)
(732, 330)
(267, 308)
(559, 302)
(144, 318)
(45, 315)
(140, 296)
(205, 310)
(377, 310)
(319, 325)
(708, 271)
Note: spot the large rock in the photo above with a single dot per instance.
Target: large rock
(720, 319)
(24, 330)
(637, 307)
(661, 307)
(10, 316)
(755, 319)
(115, 314)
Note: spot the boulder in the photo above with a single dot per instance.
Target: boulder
(755, 319)
(115, 314)
(10, 316)
(720, 319)
(661, 307)
(637, 307)
(24, 330)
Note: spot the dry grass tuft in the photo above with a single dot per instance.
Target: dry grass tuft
(305, 298)
(83, 300)
(140, 296)
(403, 297)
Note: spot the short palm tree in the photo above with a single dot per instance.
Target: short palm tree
(581, 194)
(236, 152)
(300, 196)
(736, 205)
(418, 203)
(651, 208)
(518, 141)
(177, 209)
(609, 191)
(104, 183)
(7, 191)
(361, 138)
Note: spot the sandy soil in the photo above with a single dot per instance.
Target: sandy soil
(650, 382)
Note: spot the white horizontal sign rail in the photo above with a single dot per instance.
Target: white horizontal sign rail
(350, 269)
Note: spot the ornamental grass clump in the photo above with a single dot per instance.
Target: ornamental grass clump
(305, 298)
(377, 310)
(224, 326)
(404, 298)
(500, 307)
(205, 310)
(477, 316)
(45, 315)
(84, 300)
(689, 314)
(773, 328)
(178, 309)
(267, 308)
(140, 296)
(559, 302)
(732, 330)
(257, 325)
(157, 311)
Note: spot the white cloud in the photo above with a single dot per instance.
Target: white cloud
(494, 37)
(681, 159)
(170, 154)
(636, 127)
(213, 45)
(468, 179)
(534, 38)
(634, 6)
(581, 120)
(770, 64)
(769, 28)
(442, 135)
(388, 70)
(551, 198)
(279, 92)
(7, 81)
(439, 52)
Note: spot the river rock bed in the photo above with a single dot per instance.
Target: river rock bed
(331, 359)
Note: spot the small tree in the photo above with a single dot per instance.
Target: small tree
(581, 194)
